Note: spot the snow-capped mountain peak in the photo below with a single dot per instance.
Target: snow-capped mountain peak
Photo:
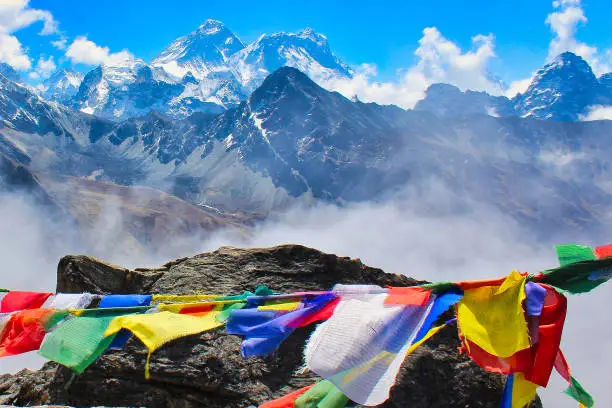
(306, 50)
(202, 51)
(561, 90)
(62, 85)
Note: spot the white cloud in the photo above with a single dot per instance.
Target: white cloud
(518, 87)
(440, 60)
(12, 53)
(597, 112)
(564, 21)
(43, 69)
(60, 44)
(87, 52)
(15, 15)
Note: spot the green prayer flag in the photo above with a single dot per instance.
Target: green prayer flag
(78, 342)
(323, 395)
(579, 277)
(578, 393)
(568, 254)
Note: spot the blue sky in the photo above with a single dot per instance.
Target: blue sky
(384, 33)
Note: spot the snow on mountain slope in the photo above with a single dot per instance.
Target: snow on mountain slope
(62, 86)
(562, 91)
(131, 88)
(203, 52)
(9, 72)
(306, 50)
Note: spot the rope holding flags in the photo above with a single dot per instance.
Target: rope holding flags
(511, 325)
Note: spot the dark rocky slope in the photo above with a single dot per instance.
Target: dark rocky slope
(207, 370)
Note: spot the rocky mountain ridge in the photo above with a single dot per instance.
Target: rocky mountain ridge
(292, 140)
(563, 90)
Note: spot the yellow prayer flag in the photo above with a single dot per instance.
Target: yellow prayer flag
(523, 391)
(492, 316)
(157, 329)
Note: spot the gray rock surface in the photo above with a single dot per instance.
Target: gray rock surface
(207, 370)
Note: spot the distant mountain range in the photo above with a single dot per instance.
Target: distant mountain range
(292, 141)
(563, 90)
(222, 129)
(211, 70)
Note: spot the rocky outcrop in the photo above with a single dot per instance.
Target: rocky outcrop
(207, 370)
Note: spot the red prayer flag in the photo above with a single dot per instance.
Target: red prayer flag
(15, 300)
(520, 361)
(287, 401)
(411, 296)
(562, 367)
(549, 336)
(322, 314)
(537, 361)
(604, 251)
(24, 331)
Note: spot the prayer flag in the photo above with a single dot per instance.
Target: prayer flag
(361, 347)
(78, 341)
(286, 401)
(15, 300)
(603, 251)
(114, 301)
(24, 331)
(324, 394)
(157, 329)
(568, 254)
(492, 317)
(265, 330)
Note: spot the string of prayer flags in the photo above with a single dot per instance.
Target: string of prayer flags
(361, 347)
(265, 329)
(17, 300)
(510, 325)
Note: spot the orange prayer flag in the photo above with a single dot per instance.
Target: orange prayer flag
(25, 331)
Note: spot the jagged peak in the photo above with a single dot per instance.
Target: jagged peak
(567, 60)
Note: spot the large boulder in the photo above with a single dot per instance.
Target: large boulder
(207, 370)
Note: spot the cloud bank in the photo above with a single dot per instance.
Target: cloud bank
(439, 60)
